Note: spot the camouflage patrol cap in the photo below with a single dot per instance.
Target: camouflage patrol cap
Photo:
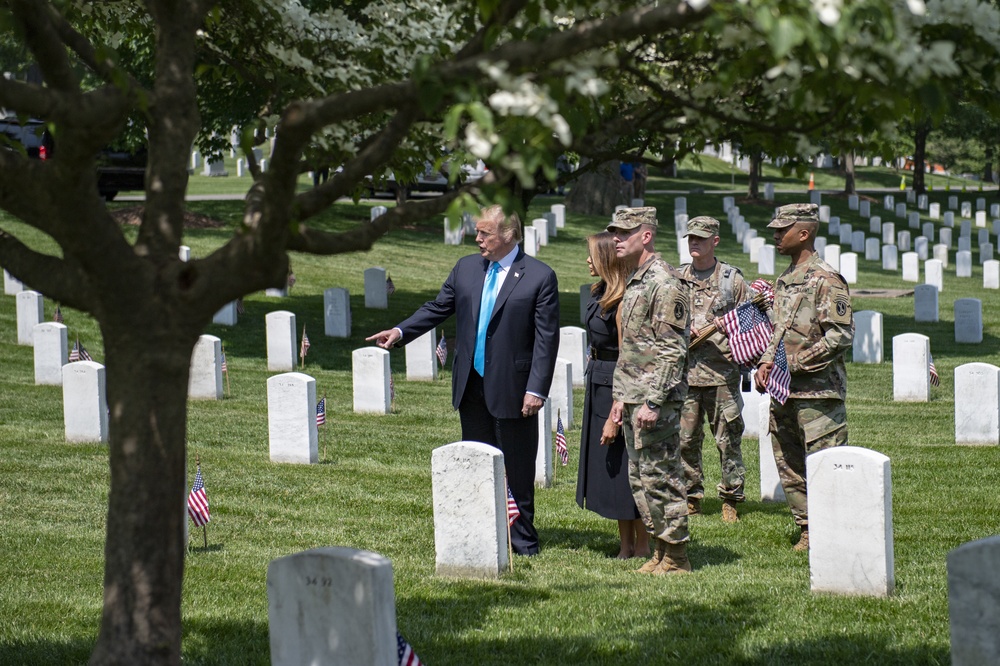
(703, 227)
(788, 215)
(627, 219)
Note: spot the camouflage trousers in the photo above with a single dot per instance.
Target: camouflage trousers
(722, 406)
(655, 473)
(798, 428)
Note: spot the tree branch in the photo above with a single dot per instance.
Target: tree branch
(43, 41)
(56, 278)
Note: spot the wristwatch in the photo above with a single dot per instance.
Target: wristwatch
(652, 405)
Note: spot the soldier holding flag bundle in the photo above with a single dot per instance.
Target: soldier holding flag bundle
(813, 328)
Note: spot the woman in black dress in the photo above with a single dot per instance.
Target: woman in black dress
(602, 485)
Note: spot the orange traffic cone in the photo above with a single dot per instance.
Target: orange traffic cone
(812, 182)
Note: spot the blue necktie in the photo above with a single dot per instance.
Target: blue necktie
(485, 310)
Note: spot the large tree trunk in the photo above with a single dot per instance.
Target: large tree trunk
(920, 156)
(596, 192)
(756, 167)
(850, 181)
(144, 551)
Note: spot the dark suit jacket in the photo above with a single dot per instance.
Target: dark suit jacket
(522, 338)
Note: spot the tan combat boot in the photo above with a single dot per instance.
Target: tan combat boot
(675, 560)
(654, 561)
(694, 506)
(803, 544)
(729, 514)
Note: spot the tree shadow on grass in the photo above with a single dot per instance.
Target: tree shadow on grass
(46, 652)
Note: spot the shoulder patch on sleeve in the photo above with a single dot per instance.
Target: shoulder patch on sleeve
(841, 312)
(678, 312)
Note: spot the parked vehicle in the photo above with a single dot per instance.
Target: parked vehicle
(118, 169)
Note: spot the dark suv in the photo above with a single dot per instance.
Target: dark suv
(117, 169)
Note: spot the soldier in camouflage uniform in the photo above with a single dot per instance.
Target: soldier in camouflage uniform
(813, 316)
(650, 383)
(713, 377)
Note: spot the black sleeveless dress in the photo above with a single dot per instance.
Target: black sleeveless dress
(602, 483)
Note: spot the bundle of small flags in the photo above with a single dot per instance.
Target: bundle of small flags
(405, 653)
(198, 501)
(79, 353)
(441, 351)
(780, 379)
(321, 412)
(748, 328)
(513, 513)
(390, 288)
(561, 447)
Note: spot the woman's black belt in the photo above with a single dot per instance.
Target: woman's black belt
(603, 354)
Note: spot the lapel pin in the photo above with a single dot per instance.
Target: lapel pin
(517, 275)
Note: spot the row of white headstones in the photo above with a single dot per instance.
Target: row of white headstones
(336, 605)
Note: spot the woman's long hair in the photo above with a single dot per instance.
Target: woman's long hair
(612, 270)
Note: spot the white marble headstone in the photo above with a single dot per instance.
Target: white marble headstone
(849, 267)
(30, 312)
(337, 312)
(831, 255)
(867, 336)
(573, 347)
(903, 241)
(911, 378)
(376, 297)
(51, 350)
(963, 263)
(850, 522)
(205, 376)
(968, 320)
(925, 303)
(372, 374)
(770, 482)
(977, 404)
(281, 339)
(889, 233)
(85, 403)
(559, 210)
(543, 454)
(541, 226)
(470, 510)
(765, 260)
(911, 267)
(890, 258)
(227, 315)
(531, 241)
(991, 274)
(421, 360)
(11, 285)
(331, 606)
(934, 273)
(974, 602)
(934, 211)
(291, 418)
(873, 249)
(864, 209)
(561, 393)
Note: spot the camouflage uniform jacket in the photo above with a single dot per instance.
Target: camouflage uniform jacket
(652, 361)
(710, 363)
(813, 315)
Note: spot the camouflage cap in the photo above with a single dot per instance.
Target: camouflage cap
(627, 219)
(703, 227)
(786, 216)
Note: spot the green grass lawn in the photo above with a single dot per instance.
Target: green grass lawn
(747, 603)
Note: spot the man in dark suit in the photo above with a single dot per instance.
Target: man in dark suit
(503, 369)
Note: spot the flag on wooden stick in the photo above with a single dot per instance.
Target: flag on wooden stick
(561, 447)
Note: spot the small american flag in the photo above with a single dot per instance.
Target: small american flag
(240, 308)
(779, 381)
(304, 347)
(198, 501)
(561, 447)
(321, 412)
(79, 353)
(935, 378)
(441, 351)
(390, 288)
(513, 513)
(405, 653)
(762, 286)
(749, 332)
(58, 317)
(225, 366)
(291, 279)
